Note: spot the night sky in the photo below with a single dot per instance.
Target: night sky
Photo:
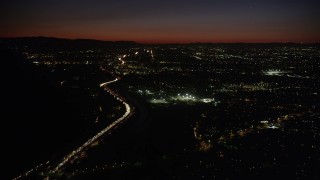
(164, 21)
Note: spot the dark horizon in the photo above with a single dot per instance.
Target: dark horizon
(160, 43)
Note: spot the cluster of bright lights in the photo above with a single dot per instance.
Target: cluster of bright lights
(158, 101)
(188, 98)
(274, 72)
(144, 92)
(269, 125)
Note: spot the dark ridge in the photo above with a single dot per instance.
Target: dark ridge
(36, 117)
(50, 44)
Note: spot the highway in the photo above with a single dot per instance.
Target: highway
(75, 154)
(109, 82)
(122, 61)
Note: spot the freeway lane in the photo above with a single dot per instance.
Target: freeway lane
(69, 158)
(74, 154)
(109, 82)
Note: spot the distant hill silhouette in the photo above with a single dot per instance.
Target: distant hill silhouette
(48, 44)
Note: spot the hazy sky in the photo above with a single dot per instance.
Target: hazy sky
(164, 20)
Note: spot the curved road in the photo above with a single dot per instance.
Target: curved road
(74, 154)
